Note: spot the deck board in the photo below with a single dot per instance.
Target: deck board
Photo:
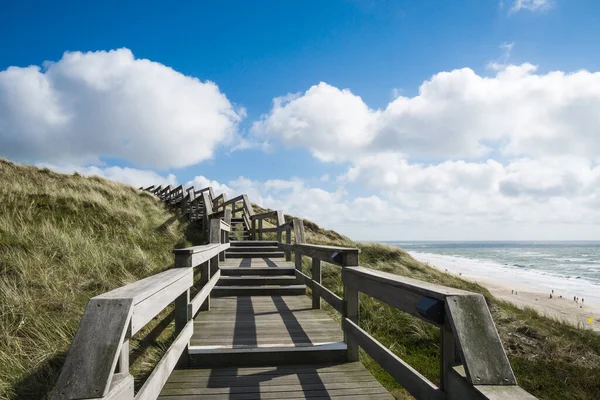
(350, 380)
(250, 323)
(264, 320)
(256, 262)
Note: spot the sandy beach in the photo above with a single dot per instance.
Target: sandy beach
(526, 291)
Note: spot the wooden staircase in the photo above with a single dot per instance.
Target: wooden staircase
(249, 331)
(256, 268)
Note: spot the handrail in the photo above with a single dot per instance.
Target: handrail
(97, 364)
(474, 363)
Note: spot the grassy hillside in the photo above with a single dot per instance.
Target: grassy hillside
(551, 359)
(65, 238)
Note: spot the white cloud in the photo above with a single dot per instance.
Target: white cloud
(130, 176)
(201, 182)
(531, 5)
(456, 115)
(109, 104)
(329, 121)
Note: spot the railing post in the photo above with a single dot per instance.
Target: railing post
(351, 312)
(123, 361)
(280, 221)
(215, 237)
(351, 305)
(298, 260)
(260, 227)
(316, 276)
(299, 236)
(182, 306)
(204, 278)
(449, 355)
(288, 240)
(182, 316)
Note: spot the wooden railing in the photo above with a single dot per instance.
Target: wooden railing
(473, 362)
(97, 364)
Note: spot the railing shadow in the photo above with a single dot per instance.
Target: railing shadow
(293, 326)
(41, 380)
(244, 331)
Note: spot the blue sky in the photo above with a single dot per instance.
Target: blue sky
(483, 140)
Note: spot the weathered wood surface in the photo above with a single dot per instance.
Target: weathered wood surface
(342, 256)
(203, 294)
(163, 369)
(265, 262)
(321, 292)
(349, 381)
(263, 320)
(478, 341)
(459, 388)
(94, 352)
(405, 375)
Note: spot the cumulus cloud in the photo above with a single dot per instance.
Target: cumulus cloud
(108, 104)
(201, 182)
(456, 115)
(130, 176)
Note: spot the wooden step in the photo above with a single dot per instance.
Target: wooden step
(252, 249)
(257, 280)
(290, 290)
(244, 356)
(263, 271)
(253, 243)
(264, 254)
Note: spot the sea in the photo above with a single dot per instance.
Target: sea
(570, 268)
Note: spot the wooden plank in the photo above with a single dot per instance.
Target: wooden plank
(350, 311)
(415, 383)
(121, 388)
(165, 366)
(299, 236)
(215, 231)
(267, 214)
(201, 254)
(493, 392)
(334, 301)
(92, 358)
(144, 288)
(225, 226)
(331, 254)
(264, 389)
(203, 294)
(478, 342)
(145, 310)
(316, 277)
(414, 285)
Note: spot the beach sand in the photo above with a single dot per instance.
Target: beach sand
(529, 295)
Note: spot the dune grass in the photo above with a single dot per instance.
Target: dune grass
(63, 240)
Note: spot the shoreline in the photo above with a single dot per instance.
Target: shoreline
(501, 281)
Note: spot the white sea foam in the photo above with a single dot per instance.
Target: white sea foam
(511, 277)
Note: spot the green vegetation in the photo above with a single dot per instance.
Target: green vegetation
(65, 238)
(551, 359)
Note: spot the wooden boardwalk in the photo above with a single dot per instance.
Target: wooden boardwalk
(245, 329)
(273, 331)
